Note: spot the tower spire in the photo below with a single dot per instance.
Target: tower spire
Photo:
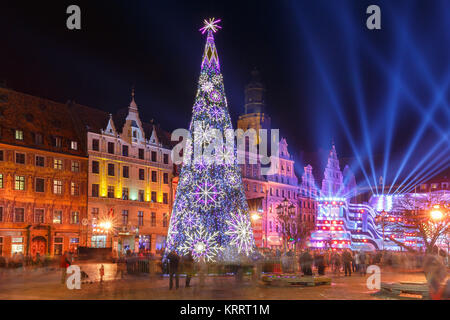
(210, 56)
(133, 104)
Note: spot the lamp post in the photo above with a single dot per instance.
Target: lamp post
(285, 211)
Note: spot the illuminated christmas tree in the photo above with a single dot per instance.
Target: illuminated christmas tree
(210, 216)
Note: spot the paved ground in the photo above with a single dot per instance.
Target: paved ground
(42, 284)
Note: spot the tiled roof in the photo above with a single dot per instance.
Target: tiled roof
(34, 115)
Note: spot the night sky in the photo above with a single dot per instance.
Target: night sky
(377, 93)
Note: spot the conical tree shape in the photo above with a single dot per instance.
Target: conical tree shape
(210, 217)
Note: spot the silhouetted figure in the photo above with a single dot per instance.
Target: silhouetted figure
(188, 262)
(174, 260)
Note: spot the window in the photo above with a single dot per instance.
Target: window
(154, 176)
(124, 193)
(141, 174)
(153, 196)
(110, 191)
(140, 218)
(124, 217)
(38, 138)
(111, 147)
(141, 195)
(58, 246)
(141, 154)
(57, 142)
(165, 178)
(1, 181)
(154, 156)
(95, 188)
(73, 145)
(19, 135)
(39, 161)
(1, 214)
(111, 169)
(57, 187)
(95, 167)
(165, 198)
(153, 221)
(39, 216)
(1, 155)
(165, 220)
(74, 217)
(126, 172)
(1, 246)
(19, 215)
(74, 189)
(39, 185)
(125, 151)
(19, 183)
(94, 214)
(254, 188)
(75, 166)
(95, 145)
(166, 158)
(57, 216)
(57, 164)
(20, 158)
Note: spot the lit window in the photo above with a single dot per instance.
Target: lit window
(74, 189)
(57, 186)
(57, 164)
(19, 135)
(74, 145)
(75, 166)
(19, 183)
(57, 142)
(57, 217)
(75, 217)
(1, 181)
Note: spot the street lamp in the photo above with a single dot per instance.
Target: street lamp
(436, 214)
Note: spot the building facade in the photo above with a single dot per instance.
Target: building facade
(281, 185)
(130, 183)
(43, 177)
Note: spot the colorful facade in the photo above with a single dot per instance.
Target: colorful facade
(43, 177)
(130, 182)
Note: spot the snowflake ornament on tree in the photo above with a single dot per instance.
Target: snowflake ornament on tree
(241, 232)
(201, 244)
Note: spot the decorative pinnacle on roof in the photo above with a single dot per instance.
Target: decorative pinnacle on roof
(212, 25)
(133, 103)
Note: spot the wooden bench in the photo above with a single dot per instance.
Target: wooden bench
(418, 288)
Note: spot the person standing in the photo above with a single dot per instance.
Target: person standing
(174, 260)
(347, 260)
(64, 263)
(102, 273)
(320, 263)
(188, 263)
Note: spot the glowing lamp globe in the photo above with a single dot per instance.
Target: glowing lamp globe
(437, 215)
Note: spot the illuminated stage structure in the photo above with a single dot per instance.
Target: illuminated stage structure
(341, 224)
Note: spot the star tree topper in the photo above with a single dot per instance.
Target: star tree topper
(211, 24)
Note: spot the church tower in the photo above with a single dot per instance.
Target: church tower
(254, 116)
